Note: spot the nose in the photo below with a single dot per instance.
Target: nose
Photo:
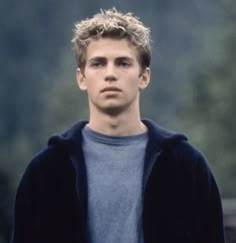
(110, 74)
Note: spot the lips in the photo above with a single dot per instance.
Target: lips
(111, 89)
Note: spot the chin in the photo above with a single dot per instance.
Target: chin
(113, 110)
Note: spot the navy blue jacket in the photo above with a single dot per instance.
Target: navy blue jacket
(181, 201)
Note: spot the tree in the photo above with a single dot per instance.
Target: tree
(210, 111)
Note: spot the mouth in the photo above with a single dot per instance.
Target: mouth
(110, 89)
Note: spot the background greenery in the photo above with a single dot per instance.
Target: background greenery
(193, 89)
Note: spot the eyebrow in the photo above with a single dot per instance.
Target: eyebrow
(125, 58)
(98, 58)
(101, 58)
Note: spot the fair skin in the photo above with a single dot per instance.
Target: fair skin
(113, 78)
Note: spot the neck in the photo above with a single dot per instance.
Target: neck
(119, 125)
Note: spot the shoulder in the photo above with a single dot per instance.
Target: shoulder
(177, 148)
(47, 157)
(189, 159)
(59, 148)
(48, 167)
(184, 150)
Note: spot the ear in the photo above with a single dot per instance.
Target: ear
(81, 80)
(145, 78)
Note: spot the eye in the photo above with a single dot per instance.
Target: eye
(124, 63)
(97, 64)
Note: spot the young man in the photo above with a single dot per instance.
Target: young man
(116, 178)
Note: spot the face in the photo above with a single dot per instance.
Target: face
(112, 76)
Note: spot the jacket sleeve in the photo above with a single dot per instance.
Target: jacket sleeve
(208, 213)
(24, 226)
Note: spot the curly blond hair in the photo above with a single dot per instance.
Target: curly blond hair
(113, 24)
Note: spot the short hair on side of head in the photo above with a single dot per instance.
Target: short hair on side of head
(113, 24)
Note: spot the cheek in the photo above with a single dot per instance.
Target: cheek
(92, 88)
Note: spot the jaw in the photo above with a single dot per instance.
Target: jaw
(114, 107)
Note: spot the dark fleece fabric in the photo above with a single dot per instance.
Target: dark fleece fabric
(181, 201)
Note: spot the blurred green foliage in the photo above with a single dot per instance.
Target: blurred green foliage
(209, 109)
(192, 90)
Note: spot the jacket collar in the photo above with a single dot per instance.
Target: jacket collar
(159, 138)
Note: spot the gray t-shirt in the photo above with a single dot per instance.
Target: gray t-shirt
(115, 170)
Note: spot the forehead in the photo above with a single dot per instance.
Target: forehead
(111, 48)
